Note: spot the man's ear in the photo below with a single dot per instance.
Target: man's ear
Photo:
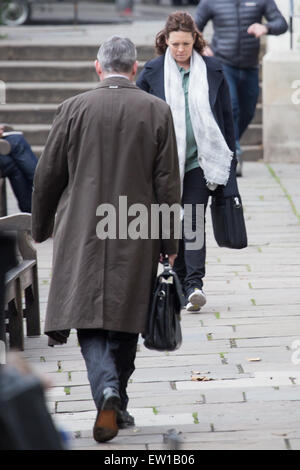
(98, 67)
(135, 68)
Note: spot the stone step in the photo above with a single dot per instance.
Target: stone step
(253, 135)
(50, 92)
(61, 52)
(30, 113)
(37, 134)
(53, 71)
(44, 92)
(49, 71)
(251, 152)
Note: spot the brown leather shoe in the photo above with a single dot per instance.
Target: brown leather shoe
(105, 427)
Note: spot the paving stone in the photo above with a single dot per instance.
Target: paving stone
(252, 311)
(273, 394)
(275, 444)
(294, 444)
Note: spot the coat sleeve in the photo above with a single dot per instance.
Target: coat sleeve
(51, 178)
(142, 82)
(276, 22)
(231, 187)
(167, 179)
(203, 14)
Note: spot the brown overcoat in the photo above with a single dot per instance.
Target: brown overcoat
(115, 140)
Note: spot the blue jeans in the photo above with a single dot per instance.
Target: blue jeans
(244, 91)
(109, 357)
(19, 167)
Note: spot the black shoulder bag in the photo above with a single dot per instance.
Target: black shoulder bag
(163, 331)
(228, 221)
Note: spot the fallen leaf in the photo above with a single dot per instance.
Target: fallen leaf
(198, 378)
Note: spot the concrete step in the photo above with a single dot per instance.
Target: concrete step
(44, 92)
(251, 152)
(66, 52)
(30, 113)
(253, 135)
(258, 115)
(50, 92)
(49, 71)
(61, 52)
(37, 134)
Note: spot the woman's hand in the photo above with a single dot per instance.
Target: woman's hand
(208, 52)
(257, 30)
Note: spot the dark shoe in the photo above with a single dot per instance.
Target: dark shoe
(5, 147)
(124, 419)
(239, 167)
(105, 427)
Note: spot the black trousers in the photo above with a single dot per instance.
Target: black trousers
(190, 264)
(109, 358)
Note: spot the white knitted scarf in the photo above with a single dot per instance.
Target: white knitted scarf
(214, 155)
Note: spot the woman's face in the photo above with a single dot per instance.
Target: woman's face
(181, 46)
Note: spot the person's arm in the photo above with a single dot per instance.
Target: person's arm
(142, 81)
(50, 179)
(166, 177)
(231, 188)
(203, 14)
(276, 23)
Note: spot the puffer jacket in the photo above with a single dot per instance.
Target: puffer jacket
(231, 43)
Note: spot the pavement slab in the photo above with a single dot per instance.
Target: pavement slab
(246, 341)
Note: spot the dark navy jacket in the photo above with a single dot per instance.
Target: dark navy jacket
(231, 18)
(151, 80)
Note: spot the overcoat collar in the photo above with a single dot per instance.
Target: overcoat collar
(214, 77)
(119, 82)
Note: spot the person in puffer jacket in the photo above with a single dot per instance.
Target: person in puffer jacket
(236, 41)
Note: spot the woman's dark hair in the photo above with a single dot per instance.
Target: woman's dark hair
(179, 21)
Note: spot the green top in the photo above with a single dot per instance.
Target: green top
(191, 159)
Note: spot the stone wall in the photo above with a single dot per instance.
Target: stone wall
(281, 93)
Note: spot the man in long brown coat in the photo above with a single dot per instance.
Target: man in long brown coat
(108, 149)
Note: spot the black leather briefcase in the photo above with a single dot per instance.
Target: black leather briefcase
(163, 331)
(228, 221)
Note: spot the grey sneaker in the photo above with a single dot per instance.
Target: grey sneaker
(197, 297)
(192, 308)
(239, 168)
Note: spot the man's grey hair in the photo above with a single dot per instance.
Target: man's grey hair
(117, 54)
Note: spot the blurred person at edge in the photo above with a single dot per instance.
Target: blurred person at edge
(18, 164)
(111, 141)
(236, 42)
(195, 88)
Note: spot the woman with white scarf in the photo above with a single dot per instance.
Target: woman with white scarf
(195, 89)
